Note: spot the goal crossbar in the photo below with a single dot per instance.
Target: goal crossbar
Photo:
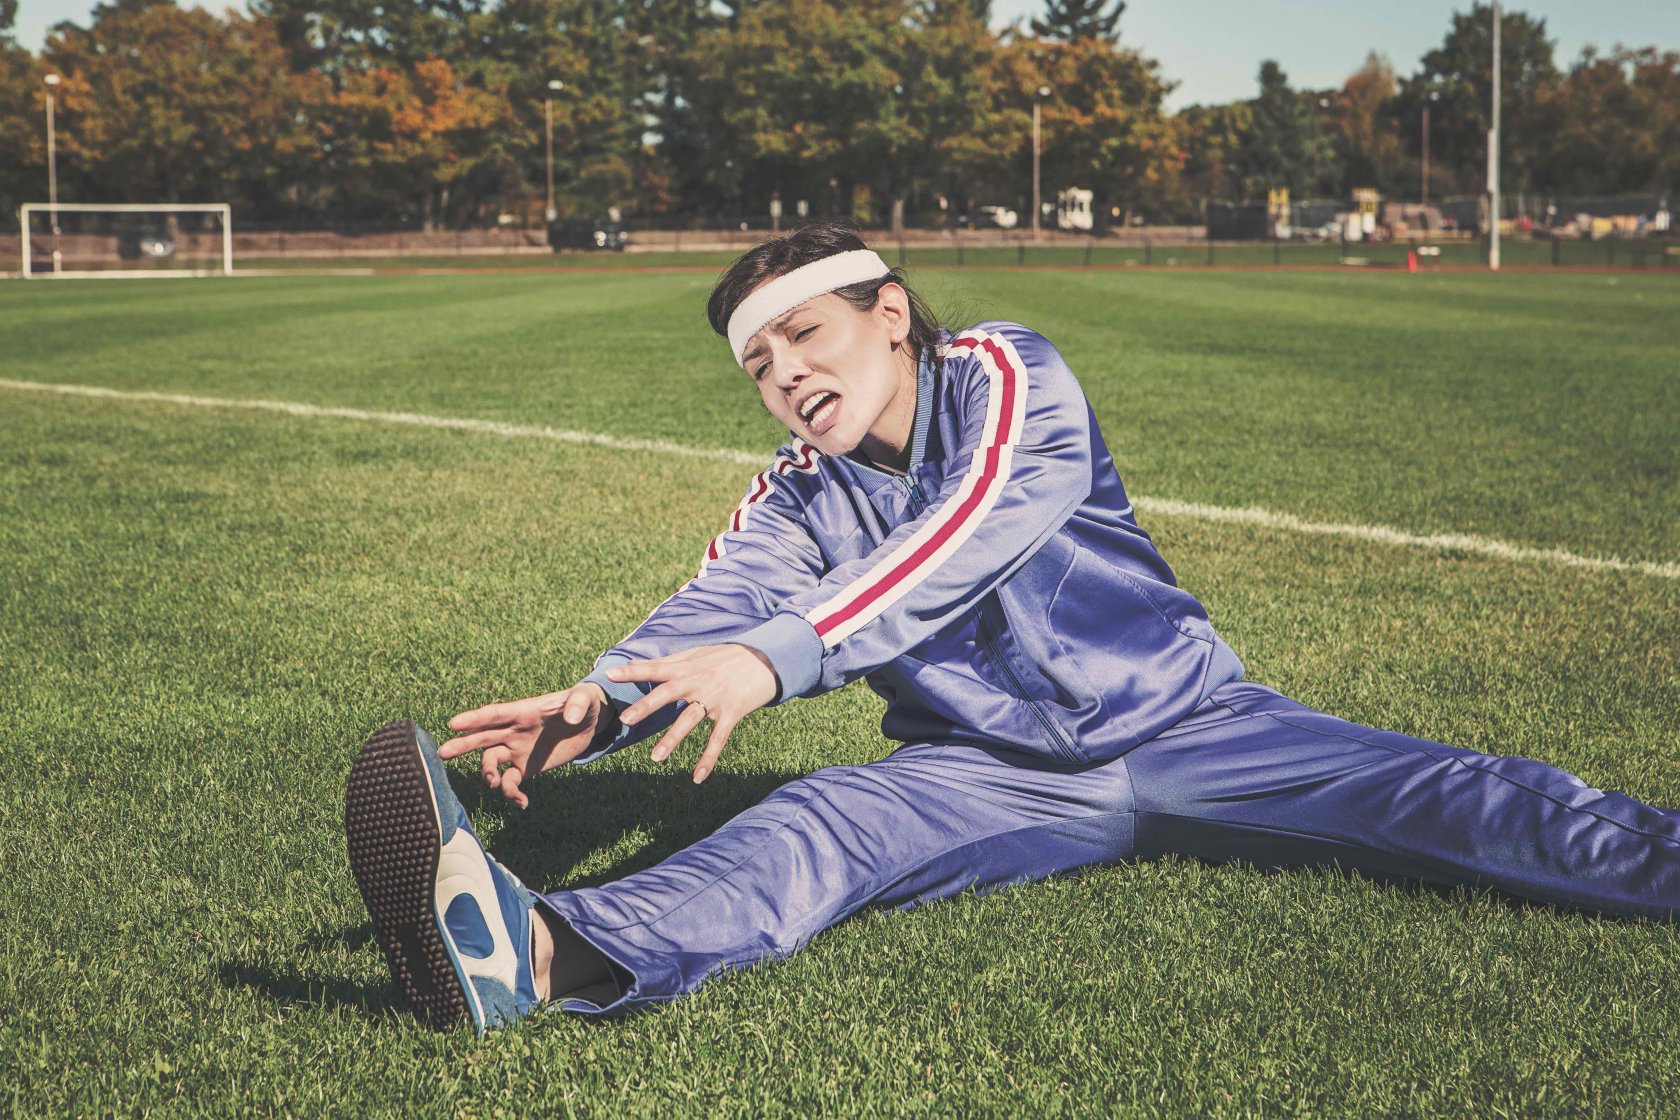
(53, 209)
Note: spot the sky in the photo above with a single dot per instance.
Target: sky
(1213, 48)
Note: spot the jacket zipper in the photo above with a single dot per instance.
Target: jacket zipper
(1051, 731)
(1057, 740)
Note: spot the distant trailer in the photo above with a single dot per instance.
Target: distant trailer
(1073, 209)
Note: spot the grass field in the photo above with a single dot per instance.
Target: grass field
(203, 612)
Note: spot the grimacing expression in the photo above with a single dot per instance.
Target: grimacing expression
(834, 374)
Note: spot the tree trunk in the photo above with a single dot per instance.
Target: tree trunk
(898, 213)
(428, 223)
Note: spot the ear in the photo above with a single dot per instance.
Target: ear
(892, 308)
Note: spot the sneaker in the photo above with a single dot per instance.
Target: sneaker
(455, 925)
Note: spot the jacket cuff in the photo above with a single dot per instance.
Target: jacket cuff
(794, 649)
(611, 734)
(621, 693)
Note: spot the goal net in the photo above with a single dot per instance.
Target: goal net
(126, 239)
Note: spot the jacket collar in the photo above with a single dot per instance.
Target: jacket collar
(927, 373)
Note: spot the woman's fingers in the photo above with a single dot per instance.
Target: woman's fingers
(511, 777)
(668, 693)
(466, 744)
(489, 716)
(721, 729)
(648, 669)
(687, 720)
(490, 764)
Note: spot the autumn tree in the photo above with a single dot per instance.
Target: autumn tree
(160, 104)
(1369, 148)
(1105, 128)
(1074, 20)
(403, 133)
(23, 155)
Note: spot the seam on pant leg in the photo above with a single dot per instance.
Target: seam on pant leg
(1458, 760)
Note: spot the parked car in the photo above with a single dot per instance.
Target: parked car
(586, 233)
(991, 217)
(145, 244)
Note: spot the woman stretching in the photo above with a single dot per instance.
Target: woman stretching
(947, 523)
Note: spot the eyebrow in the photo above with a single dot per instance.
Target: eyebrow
(756, 348)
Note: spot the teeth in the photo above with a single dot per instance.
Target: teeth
(815, 403)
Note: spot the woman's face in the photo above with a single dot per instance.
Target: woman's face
(840, 378)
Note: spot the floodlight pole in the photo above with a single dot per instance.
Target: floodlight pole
(1038, 98)
(1434, 95)
(554, 87)
(1493, 154)
(52, 81)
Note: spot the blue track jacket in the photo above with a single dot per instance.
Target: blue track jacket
(1001, 593)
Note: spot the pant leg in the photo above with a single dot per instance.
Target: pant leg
(926, 822)
(1254, 776)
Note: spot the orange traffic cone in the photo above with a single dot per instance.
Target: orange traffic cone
(1411, 260)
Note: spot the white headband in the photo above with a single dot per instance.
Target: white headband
(779, 296)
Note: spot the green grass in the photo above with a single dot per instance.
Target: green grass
(203, 612)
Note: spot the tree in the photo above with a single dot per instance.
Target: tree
(1105, 128)
(1213, 137)
(164, 105)
(836, 101)
(1072, 21)
(1458, 70)
(23, 147)
(1614, 124)
(1370, 150)
(406, 132)
(1278, 148)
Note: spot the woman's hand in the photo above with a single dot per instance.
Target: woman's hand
(527, 736)
(724, 683)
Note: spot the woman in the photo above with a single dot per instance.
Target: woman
(946, 522)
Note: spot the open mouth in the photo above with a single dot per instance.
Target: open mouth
(819, 412)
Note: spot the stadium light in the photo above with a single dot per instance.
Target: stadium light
(555, 85)
(1434, 96)
(52, 81)
(1323, 103)
(1038, 99)
(1493, 154)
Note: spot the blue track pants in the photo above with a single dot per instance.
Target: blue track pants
(1250, 775)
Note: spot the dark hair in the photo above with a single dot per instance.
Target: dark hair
(781, 255)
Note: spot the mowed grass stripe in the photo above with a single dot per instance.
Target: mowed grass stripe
(1539, 410)
(1380, 534)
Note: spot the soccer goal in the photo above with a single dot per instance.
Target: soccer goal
(126, 239)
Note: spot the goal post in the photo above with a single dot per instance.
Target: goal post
(126, 239)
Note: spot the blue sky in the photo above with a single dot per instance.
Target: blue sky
(1213, 48)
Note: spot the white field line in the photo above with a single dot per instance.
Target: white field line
(1169, 507)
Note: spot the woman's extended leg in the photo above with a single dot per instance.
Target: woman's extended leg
(1257, 777)
(925, 822)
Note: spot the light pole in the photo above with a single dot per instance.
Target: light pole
(1323, 103)
(1434, 96)
(1493, 154)
(52, 81)
(555, 85)
(1038, 98)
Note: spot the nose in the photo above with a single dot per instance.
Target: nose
(787, 369)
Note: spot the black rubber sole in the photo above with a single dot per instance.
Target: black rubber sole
(392, 832)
